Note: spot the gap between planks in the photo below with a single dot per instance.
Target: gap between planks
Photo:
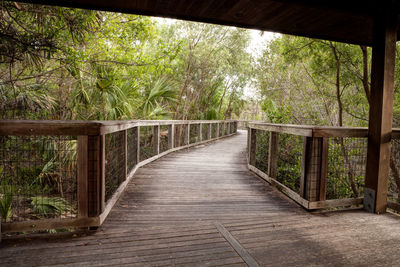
(241, 251)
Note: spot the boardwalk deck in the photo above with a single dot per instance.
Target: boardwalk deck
(203, 207)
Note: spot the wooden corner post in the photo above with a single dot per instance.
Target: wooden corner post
(314, 169)
(381, 111)
(252, 148)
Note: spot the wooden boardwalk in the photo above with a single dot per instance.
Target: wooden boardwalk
(202, 207)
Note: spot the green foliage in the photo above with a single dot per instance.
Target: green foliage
(6, 200)
(49, 206)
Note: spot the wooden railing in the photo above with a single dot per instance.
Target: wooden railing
(69, 174)
(308, 163)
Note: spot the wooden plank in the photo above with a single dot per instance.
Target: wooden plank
(171, 136)
(381, 112)
(45, 224)
(252, 148)
(283, 128)
(209, 134)
(340, 131)
(395, 133)
(247, 258)
(273, 155)
(284, 189)
(324, 168)
(187, 134)
(82, 179)
(335, 203)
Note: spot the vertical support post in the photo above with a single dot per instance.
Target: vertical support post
(83, 160)
(187, 134)
(137, 144)
(126, 154)
(273, 154)
(217, 134)
(253, 144)
(96, 175)
(223, 128)
(171, 136)
(209, 135)
(381, 111)
(200, 134)
(156, 139)
(314, 168)
(228, 128)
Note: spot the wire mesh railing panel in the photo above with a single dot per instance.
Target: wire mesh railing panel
(163, 138)
(290, 154)
(214, 132)
(262, 149)
(394, 176)
(221, 129)
(178, 135)
(38, 177)
(131, 148)
(346, 167)
(146, 142)
(204, 131)
(194, 133)
(115, 162)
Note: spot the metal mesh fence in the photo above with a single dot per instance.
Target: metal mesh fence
(204, 131)
(163, 138)
(262, 150)
(146, 142)
(221, 129)
(38, 177)
(346, 167)
(290, 154)
(194, 133)
(214, 132)
(115, 162)
(394, 176)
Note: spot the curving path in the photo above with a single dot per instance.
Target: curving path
(202, 207)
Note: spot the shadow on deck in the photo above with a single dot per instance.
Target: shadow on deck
(201, 206)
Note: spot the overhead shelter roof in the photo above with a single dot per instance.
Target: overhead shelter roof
(349, 21)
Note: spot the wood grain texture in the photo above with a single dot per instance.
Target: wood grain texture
(168, 212)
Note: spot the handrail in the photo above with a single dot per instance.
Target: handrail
(316, 145)
(107, 155)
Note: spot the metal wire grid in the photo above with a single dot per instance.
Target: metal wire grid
(204, 131)
(178, 135)
(132, 148)
(194, 133)
(164, 138)
(38, 177)
(394, 176)
(346, 163)
(214, 130)
(221, 129)
(115, 162)
(146, 142)
(290, 154)
(262, 150)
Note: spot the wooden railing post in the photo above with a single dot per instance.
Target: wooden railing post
(314, 168)
(82, 164)
(252, 149)
(156, 137)
(137, 133)
(217, 134)
(171, 136)
(187, 134)
(273, 154)
(223, 128)
(200, 134)
(126, 154)
(95, 174)
(209, 134)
